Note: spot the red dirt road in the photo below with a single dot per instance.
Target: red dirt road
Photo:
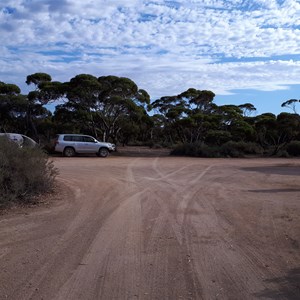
(158, 228)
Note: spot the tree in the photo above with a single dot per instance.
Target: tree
(229, 114)
(12, 107)
(38, 78)
(102, 104)
(186, 116)
(200, 100)
(291, 104)
(248, 109)
(119, 98)
(45, 91)
(276, 132)
(173, 109)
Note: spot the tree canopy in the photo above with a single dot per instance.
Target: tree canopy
(115, 109)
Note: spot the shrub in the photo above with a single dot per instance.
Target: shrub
(48, 147)
(195, 149)
(24, 173)
(239, 149)
(293, 148)
(217, 137)
(156, 146)
(283, 154)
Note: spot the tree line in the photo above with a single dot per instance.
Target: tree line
(114, 109)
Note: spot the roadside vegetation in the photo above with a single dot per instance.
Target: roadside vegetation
(114, 109)
(25, 173)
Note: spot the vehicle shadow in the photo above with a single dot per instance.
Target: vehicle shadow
(128, 151)
(288, 287)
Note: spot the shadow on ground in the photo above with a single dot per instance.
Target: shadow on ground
(290, 170)
(275, 191)
(141, 151)
(288, 287)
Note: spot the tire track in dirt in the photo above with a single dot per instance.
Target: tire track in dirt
(118, 237)
(174, 193)
(238, 259)
(172, 206)
(156, 228)
(234, 271)
(82, 227)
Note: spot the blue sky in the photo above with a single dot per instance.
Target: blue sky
(242, 50)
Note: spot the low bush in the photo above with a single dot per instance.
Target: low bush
(229, 149)
(24, 173)
(240, 149)
(48, 147)
(293, 148)
(195, 149)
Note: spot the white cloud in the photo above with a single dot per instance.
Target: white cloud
(164, 46)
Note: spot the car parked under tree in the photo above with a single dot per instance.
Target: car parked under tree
(71, 144)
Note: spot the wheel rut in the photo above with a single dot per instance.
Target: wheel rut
(158, 228)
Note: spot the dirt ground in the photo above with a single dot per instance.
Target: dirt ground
(158, 228)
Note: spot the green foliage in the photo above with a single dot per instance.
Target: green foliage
(113, 108)
(202, 100)
(37, 78)
(9, 89)
(291, 104)
(24, 173)
(13, 108)
(196, 150)
(293, 148)
(229, 149)
(241, 130)
(105, 107)
(217, 137)
(247, 109)
(240, 149)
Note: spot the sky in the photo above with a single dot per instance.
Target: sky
(242, 50)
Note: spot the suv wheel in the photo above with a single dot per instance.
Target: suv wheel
(69, 152)
(103, 152)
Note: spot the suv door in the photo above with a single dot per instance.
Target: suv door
(89, 145)
(77, 141)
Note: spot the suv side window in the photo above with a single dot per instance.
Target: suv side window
(77, 138)
(88, 139)
(68, 138)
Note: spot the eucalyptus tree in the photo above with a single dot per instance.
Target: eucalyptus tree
(201, 114)
(103, 104)
(275, 132)
(12, 107)
(172, 109)
(136, 128)
(199, 100)
(78, 111)
(187, 115)
(248, 109)
(45, 91)
(70, 120)
(157, 131)
(287, 129)
(265, 126)
(291, 104)
(120, 98)
(288, 126)
(229, 114)
(233, 120)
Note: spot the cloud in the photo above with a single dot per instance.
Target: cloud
(165, 46)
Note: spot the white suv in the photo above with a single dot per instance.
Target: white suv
(71, 144)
